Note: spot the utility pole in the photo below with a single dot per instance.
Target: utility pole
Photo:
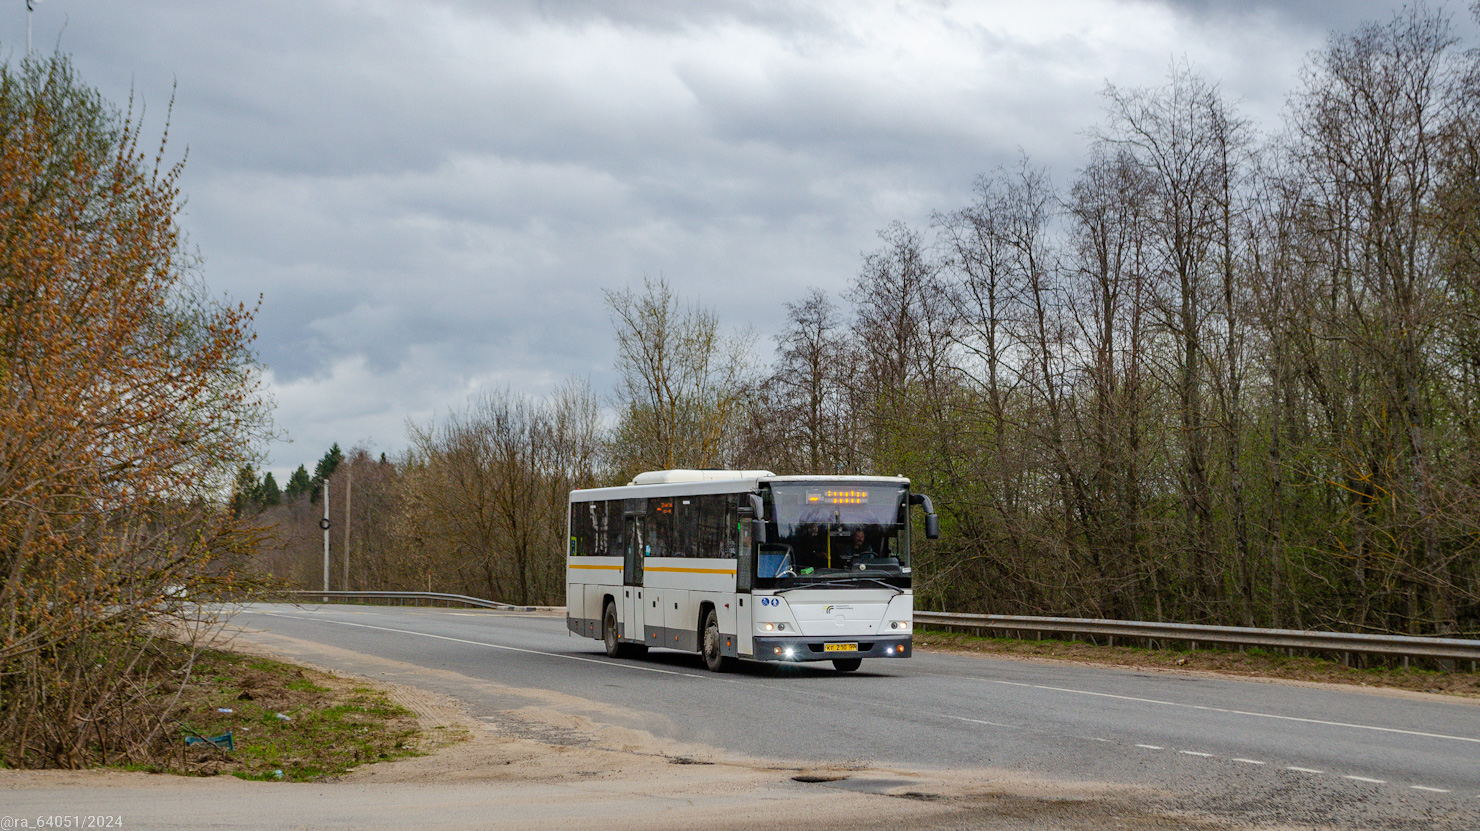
(349, 480)
(324, 524)
(30, 7)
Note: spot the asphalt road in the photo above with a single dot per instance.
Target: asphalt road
(1241, 750)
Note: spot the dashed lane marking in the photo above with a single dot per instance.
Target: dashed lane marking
(1303, 770)
(1151, 746)
(1249, 761)
(1366, 779)
(1195, 753)
(1427, 788)
(1207, 709)
(973, 720)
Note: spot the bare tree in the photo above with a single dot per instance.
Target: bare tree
(1176, 133)
(1110, 301)
(810, 378)
(683, 383)
(1369, 124)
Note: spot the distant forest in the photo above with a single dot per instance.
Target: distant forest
(1224, 376)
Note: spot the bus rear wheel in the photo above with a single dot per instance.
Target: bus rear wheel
(609, 633)
(714, 657)
(847, 664)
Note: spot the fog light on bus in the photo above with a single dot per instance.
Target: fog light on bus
(888, 650)
(791, 653)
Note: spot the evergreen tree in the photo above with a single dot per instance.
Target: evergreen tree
(244, 492)
(324, 470)
(298, 484)
(268, 492)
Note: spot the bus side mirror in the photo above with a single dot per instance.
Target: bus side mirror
(932, 521)
(758, 510)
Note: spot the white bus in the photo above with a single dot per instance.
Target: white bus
(745, 564)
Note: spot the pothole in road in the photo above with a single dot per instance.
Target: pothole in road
(815, 779)
(883, 787)
(876, 786)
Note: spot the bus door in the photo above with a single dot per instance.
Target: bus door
(744, 578)
(632, 605)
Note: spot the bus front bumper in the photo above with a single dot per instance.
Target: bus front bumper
(816, 649)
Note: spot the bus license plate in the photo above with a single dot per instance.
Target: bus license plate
(840, 647)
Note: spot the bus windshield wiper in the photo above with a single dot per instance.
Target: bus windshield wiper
(847, 581)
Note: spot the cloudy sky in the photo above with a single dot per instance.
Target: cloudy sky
(429, 197)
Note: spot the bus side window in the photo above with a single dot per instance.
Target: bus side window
(581, 531)
(616, 543)
(658, 537)
(732, 526)
(712, 524)
(685, 526)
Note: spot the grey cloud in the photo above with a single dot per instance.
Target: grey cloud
(431, 196)
(1320, 15)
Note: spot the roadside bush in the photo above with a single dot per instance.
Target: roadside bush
(128, 398)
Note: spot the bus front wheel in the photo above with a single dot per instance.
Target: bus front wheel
(847, 664)
(713, 657)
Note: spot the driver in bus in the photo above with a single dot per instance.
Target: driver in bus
(860, 548)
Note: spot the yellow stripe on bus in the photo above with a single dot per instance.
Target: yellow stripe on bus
(583, 565)
(692, 570)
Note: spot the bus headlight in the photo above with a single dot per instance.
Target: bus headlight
(899, 625)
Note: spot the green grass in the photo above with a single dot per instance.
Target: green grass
(332, 725)
(1252, 661)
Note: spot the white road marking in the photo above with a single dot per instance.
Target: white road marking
(1195, 753)
(1304, 770)
(612, 664)
(1427, 788)
(1208, 709)
(1151, 746)
(1365, 779)
(1249, 761)
(968, 720)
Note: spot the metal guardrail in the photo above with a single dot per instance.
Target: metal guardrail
(432, 598)
(1193, 634)
(1395, 645)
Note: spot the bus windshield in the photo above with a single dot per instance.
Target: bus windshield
(835, 532)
